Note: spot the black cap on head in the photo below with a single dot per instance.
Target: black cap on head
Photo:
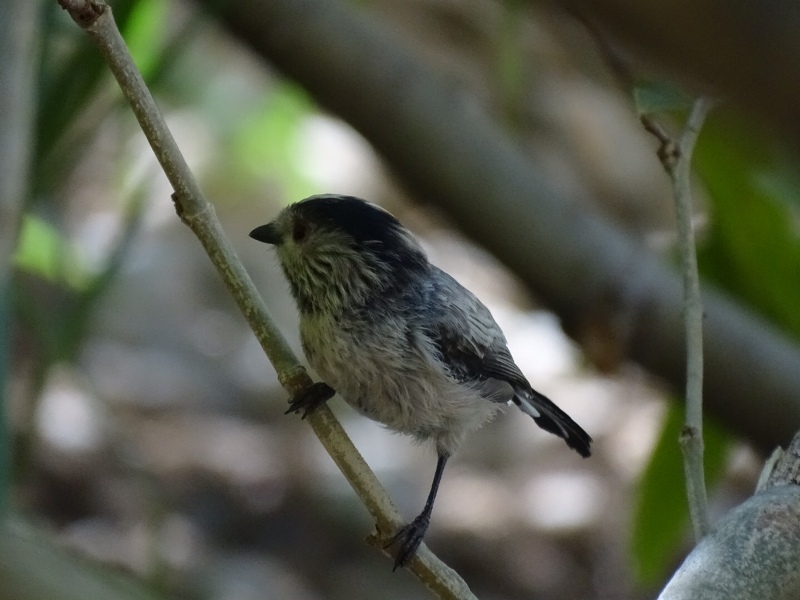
(372, 228)
(363, 221)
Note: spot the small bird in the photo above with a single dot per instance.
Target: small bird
(398, 338)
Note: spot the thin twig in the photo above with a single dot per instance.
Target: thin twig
(676, 157)
(196, 212)
(677, 161)
(692, 434)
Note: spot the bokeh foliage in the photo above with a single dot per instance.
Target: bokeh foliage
(752, 249)
(750, 246)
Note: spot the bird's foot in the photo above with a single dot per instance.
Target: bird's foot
(311, 398)
(408, 539)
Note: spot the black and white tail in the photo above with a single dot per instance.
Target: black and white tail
(551, 418)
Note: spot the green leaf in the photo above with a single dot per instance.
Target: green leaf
(661, 516)
(651, 97)
(39, 249)
(145, 34)
(44, 252)
(753, 245)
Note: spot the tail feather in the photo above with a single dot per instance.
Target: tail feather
(551, 418)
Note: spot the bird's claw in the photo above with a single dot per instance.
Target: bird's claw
(311, 398)
(408, 538)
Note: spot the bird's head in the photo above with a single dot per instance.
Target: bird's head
(341, 251)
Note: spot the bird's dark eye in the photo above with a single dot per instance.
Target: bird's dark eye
(299, 231)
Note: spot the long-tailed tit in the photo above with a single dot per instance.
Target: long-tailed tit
(398, 338)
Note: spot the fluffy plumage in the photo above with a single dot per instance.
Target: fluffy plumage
(398, 338)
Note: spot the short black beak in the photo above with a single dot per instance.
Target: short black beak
(267, 233)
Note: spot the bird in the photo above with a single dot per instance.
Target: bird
(399, 339)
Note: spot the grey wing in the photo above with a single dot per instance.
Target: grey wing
(474, 350)
(470, 343)
(486, 367)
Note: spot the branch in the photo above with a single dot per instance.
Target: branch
(585, 268)
(692, 435)
(753, 551)
(198, 214)
(677, 161)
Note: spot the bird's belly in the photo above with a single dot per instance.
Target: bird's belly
(365, 374)
(388, 380)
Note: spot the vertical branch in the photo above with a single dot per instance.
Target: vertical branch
(692, 435)
(198, 214)
(677, 161)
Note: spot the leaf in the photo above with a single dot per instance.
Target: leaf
(661, 516)
(145, 33)
(42, 250)
(753, 245)
(38, 249)
(652, 97)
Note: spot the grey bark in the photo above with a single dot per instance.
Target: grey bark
(586, 270)
(754, 551)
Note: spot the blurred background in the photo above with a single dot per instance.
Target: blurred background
(145, 438)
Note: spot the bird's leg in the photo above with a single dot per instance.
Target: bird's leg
(310, 398)
(409, 537)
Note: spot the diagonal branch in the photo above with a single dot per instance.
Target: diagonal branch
(199, 215)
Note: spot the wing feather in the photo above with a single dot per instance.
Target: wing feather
(474, 351)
